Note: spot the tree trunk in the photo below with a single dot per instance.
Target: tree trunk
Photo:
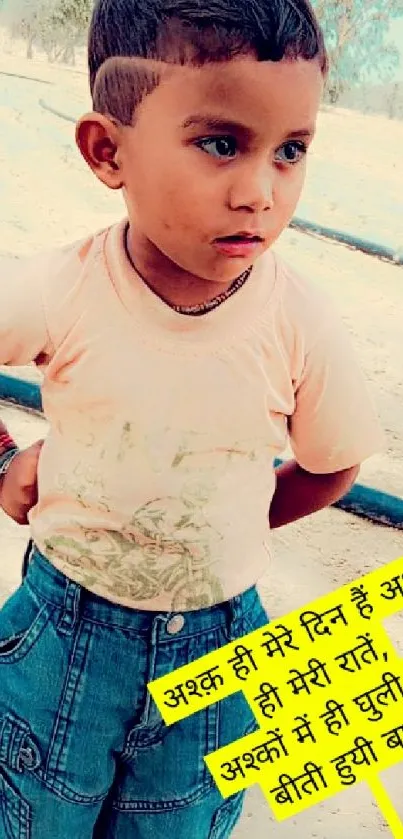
(30, 45)
(393, 102)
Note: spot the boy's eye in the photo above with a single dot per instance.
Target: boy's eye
(291, 152)
(220, 147)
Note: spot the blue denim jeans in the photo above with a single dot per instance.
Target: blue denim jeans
(83, 749)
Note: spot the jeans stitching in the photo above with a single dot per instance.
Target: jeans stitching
(29, 638)
(67, 794)
(130, 805)
(19, 807)
(78, 658)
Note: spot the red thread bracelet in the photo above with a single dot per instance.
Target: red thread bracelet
(6, 443)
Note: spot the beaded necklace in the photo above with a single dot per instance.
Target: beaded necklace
(199, 308)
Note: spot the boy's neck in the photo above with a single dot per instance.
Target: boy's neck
(167, 280)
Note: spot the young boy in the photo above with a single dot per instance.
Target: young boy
(179, 356)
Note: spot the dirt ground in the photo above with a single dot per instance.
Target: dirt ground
(356, 173)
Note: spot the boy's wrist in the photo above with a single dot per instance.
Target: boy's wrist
(6, 459)
(7, 443)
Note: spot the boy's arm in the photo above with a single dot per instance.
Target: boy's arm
(300, 493)
(24, 333)
(333, 428)
(18, 477)
(23, 339)
(18, 486)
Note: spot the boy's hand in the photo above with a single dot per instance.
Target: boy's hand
(18, 487)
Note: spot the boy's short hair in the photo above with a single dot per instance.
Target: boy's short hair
(191, 32)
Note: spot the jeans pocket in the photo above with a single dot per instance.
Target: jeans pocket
(22, 620)
(227, 817)
(14, 813)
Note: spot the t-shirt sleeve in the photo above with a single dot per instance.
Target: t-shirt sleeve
(23, 329)
(334, 425)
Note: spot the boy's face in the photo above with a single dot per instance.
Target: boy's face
(214, 164)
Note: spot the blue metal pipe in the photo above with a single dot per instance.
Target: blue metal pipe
(361, 501)
(364, 245)
(22, 393)
(379, 507)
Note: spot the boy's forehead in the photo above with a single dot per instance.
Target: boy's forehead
(243, 90)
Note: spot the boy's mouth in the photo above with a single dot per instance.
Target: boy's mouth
(239, 244)
(241, 237)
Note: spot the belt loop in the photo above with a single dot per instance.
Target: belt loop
(158, 622)
(235, 618)
(29, 552)
(71, 609)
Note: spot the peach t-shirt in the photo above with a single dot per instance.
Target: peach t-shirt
(157, 474)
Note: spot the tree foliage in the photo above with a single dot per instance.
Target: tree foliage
(359, 34)
(67, 26)
(57, 26)
(359, 37)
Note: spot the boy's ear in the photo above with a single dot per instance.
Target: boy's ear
(97, 138)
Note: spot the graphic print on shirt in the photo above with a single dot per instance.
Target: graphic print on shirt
(169, 544)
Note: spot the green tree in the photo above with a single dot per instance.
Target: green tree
(25, 19)
(359, 37)
(57, 26)
(67, 28)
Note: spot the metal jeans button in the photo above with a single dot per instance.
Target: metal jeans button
(175, 624)
(28, 757)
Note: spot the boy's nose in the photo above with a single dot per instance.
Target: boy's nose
(252, 191)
